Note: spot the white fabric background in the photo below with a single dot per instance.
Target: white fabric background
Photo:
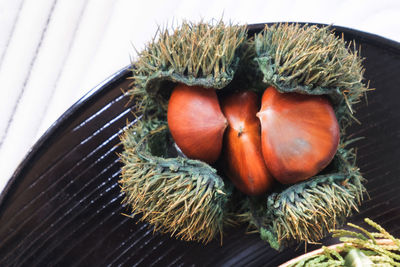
(54, 51)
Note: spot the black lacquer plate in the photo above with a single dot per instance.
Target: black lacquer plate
(62, 205)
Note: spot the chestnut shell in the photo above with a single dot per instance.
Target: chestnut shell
(196, 122)
(242, 156)
(300, 134)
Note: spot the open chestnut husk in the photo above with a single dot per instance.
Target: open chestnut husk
(196, 122)
(189, 198)
(300, 134)
(242, 158)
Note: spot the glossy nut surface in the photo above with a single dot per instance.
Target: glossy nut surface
(196, 122)
(242, 156)
(300, 134)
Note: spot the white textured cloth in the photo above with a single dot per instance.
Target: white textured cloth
(52, 52)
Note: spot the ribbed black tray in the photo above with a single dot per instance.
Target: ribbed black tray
(62, 205)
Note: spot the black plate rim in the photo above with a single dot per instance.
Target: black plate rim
(90, 96)
(123, 73)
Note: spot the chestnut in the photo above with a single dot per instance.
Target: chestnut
(299, 134)
(196, 122)
(242, 159)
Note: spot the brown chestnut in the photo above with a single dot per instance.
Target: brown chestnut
(242, 156)
(300, 134)
(196, 122)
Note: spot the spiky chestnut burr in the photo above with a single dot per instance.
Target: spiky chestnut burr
(290, 57)
(202, 54)
(175, 195)
(310, 60)
(314, 61)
